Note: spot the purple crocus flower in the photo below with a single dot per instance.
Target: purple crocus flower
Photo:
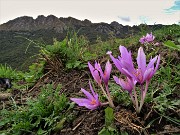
(147, 39)
(142, 40)
(98, 74)
(106, 74)
(127, 84)
(91, 102)
(95, 72)
(144, 73)
(125, 65)
(123, 62)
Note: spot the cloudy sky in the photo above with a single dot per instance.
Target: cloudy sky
(126, 12)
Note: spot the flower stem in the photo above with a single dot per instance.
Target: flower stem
(109, 96)
(103, 90)
(136, 100)
(132, 98)
(110, 101)
(106, 103)
(143, 95)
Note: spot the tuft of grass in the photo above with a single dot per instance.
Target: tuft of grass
(119, 95)
(7, 72)
(109, 128)
(43, 115)
(70, 53)
(163, 91)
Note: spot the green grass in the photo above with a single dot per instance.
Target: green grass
(43, 115)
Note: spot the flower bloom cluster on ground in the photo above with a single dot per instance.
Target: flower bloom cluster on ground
(147, 39)
(124, 63)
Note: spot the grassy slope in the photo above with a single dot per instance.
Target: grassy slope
(164, 87)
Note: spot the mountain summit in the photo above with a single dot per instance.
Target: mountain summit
(60, 25)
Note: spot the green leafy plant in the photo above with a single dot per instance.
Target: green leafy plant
(72, 52)
(162, 102)
(172, 45)
(119, 95)
(7, 72)
(167, 32)
(35, 72)
(168, 78)
(43, 115)
(109, 128)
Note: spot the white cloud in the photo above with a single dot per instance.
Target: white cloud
(124, 18)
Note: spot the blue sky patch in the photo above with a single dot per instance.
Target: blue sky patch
(174, 8)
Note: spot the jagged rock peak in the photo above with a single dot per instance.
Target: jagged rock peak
(40, 17)
(70, 21)
(30, 24)
(87, 21)
(116, 24)
(22, 19)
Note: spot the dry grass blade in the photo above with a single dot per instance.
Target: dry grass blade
(5, 96)
(126, 119)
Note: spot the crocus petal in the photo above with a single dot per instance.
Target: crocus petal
(123, 84)
(157, 64)
(141, 60)
(107, 72)
(151, 63)
(128, 74)
(116, 79)
(91, 88)
(131, 83)
(124, 52)
(91, 107)
(96, 97)
(94, 73)
(126, 85)
(147, 74)
(125, 55)
(127, 66)
(80, 101)
(85, 102)
(98, 67)
(139, 76)
(150, 37)
(88, 95)
(157, 44)
(117, 63)
(142, 40)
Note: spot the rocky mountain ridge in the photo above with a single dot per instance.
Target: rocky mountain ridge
(60, 25)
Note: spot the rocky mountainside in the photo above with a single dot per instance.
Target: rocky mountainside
(14, 34)
(60, 25)
(26, 23)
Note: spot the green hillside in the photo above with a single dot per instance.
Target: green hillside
(63, 92)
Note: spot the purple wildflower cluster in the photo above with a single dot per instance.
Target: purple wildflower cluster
(92, 102)
(142, 74)
(124, 63)
(147, 39)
